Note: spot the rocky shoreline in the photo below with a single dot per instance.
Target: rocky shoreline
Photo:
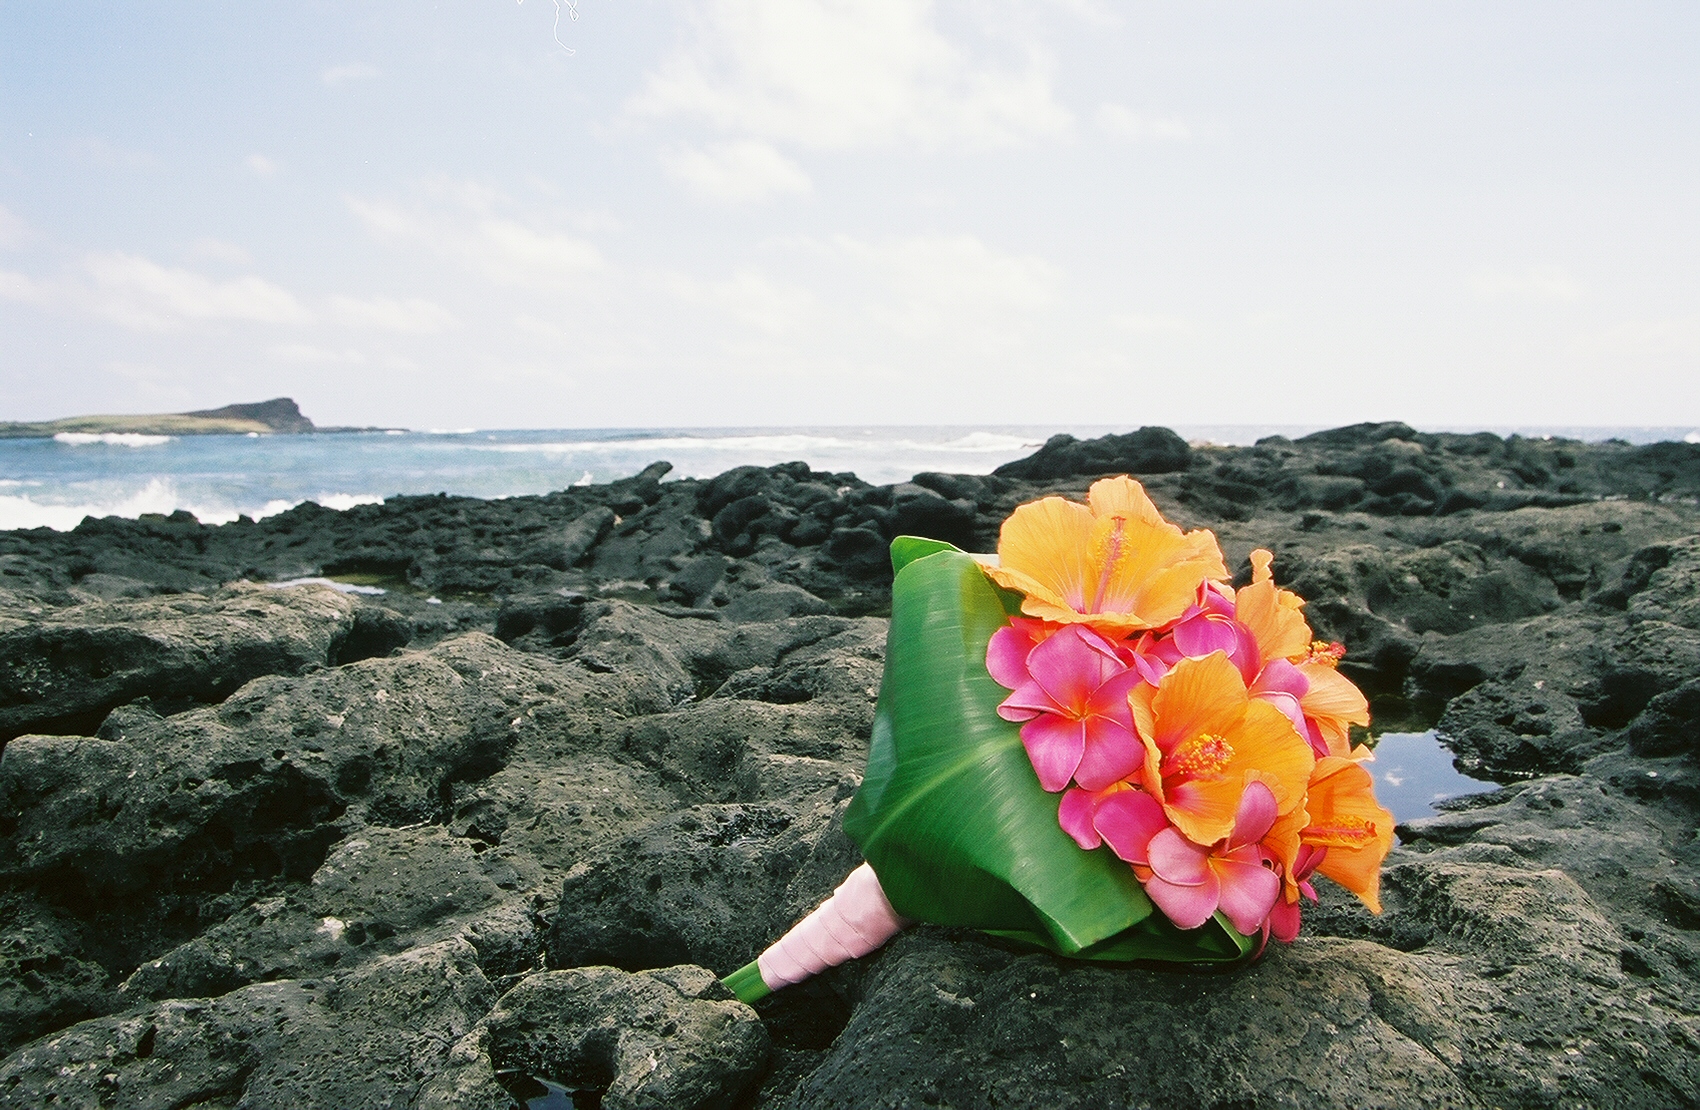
(508, 821)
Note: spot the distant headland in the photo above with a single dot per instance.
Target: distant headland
(279, 416)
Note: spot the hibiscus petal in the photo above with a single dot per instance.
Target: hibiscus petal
(1043, 551)
(1268, 744)
(1332, 694)
(1055, 745)
(1248, 892)
(1199, 696)
(1128, 819)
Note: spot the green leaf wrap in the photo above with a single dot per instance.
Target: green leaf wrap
(950, 813)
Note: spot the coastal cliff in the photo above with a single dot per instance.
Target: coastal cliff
(509, 820)
(279, 416)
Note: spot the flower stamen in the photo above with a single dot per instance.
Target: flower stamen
(1110, 556)
(1204, 756)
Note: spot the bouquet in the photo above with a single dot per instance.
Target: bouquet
(1093, 744)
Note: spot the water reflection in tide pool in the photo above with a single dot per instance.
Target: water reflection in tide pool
(1413, 771)
(530, 1093)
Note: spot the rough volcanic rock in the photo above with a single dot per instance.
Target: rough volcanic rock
(63, 671)
(379, 892)
(669, 1039)
(365, 1040)
(710, 885)
(313, 886)
(1147, 451)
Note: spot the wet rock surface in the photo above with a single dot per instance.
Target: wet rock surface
(508, 821)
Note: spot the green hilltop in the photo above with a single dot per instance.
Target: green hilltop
(279, 416)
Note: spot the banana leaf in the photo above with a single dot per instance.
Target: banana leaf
(950, 813)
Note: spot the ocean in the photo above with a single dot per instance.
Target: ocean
(55, 483)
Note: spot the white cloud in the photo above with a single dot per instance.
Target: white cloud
(95, 151)
(753, 299)
(21, 287)
(260, 166)
(845, 73)
(466, 225)
(736, 172)
(1122, 123)
(357, 71)
(13, 231)
(948, 282)
(1149, 323)
(412, 315)
(1533, 284)
(308, 355)
(142, 294)
(217, 250)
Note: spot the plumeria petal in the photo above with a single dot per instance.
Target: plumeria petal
(1175, 859)
(1055, 744)
(1006, 655)
(1255, 816)
(1112, 753)
(1280, 677)
(1075, 815)
(1187, 906)
(1200, 635)
(1066, 667)
(1110, 699)
(1028, 701)
(1127, 820)
(1248, 891)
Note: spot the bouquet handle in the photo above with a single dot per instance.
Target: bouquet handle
(856, 920)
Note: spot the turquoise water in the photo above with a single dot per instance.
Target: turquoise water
(56, 482)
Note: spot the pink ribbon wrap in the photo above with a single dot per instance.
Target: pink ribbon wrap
(856, 920)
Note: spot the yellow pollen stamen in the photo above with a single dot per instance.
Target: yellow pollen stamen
(1325, 653)
(1343, 832)
(1111, 553)
(1204, 755)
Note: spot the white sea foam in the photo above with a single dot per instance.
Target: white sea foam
(338, 501)
(112, 439)
(340, 587)
(981, 441)
(159, 496)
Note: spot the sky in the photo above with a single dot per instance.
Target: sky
(618, 213)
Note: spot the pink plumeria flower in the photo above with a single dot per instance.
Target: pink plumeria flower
(1072, 698)
(1189, 883)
